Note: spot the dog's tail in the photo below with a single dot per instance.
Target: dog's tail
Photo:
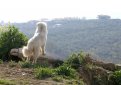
(26, 52)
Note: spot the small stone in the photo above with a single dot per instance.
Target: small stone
(23, 74)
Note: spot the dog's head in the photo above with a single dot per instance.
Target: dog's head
(41, 26)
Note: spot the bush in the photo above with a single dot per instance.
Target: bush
(75, 60)
(115, 78)
(10, 37)
(42, 73)
(65, 70)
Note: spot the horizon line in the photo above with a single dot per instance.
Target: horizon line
(57, 18)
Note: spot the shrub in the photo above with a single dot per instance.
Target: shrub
(115, 78)
(75, 60)
(42, 73)
(65, 70)
(10, 37)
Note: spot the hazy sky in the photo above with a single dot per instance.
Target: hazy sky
(24, 10)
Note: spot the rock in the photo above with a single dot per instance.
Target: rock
(42, 59)
(95, 72)
(107, 66)
(16, 52)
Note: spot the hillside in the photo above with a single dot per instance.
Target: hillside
(100, 37)
(78, 69)
(22, 76)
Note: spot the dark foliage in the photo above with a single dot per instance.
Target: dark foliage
(10, 37)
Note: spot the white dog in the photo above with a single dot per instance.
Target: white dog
(37, 43)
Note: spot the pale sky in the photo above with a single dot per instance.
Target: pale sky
(25, 10)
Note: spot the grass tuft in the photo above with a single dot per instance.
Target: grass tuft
(57, 78)
(1, 61)
(12, 63)
(42, 73)
(25, 64)
(75, 60)
(6, 82)
(66, 71)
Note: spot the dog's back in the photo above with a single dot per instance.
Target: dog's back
(42, 31)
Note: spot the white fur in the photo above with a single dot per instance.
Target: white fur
(37, 43)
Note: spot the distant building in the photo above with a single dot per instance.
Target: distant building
(104, 17)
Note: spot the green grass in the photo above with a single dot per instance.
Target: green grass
(25, 64)
(75, 60)
(6, 82)
(12, 63)
(66, 71)
(57, 78)
(42, 73)
(115, 78)
(57, 73)
(61, 71)
(1, 61)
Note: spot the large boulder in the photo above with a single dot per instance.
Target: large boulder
(42, 59)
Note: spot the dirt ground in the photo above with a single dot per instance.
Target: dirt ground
(23, 76)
